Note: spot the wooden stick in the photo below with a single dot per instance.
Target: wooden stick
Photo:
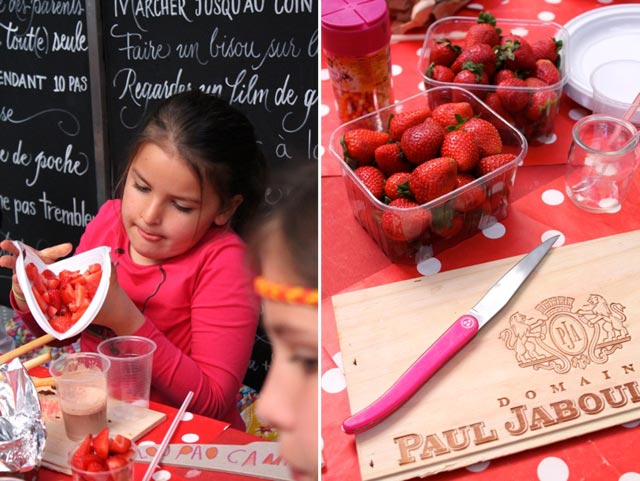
(43, 381)
(36, 361)
(25, 348)
(167, 437)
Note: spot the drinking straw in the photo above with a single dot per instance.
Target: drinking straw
(627, 117)
(167, 437)
(632, 108)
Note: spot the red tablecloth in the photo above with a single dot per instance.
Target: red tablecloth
(192, 429)
(351, 260)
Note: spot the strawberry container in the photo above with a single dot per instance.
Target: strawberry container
(536, 119)
(449, 218)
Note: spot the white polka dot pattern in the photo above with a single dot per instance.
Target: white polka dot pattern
(552, 197)
(553, 469)
(495, 231)
(190, 438)
(162, 475)
(429, 266)
(478, 467)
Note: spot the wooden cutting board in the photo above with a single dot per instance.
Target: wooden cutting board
(560, 360)
(122, 418)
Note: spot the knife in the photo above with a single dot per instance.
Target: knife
(448, 344)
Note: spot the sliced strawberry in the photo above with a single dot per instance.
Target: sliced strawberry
(32, 271)
(55, 300)
(39, 299)
(67, 295)
(62, 322)
(119, 444)
(101, 443)
(92, 281)
(116, 465)
(82, 450)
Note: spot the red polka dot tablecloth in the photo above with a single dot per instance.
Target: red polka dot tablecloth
(192, 429)
(539, 209)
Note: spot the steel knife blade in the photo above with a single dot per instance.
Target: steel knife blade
(448, 344)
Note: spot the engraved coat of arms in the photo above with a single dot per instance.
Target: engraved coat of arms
(566, 337)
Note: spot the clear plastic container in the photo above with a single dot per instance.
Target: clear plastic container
(448, 224)
(455, 29)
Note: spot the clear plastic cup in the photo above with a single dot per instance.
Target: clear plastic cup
(602, 158)
(615, 87)
(131, 358)
(81, 382)
(122, 470)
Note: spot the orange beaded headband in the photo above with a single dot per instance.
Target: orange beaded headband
(276, 291)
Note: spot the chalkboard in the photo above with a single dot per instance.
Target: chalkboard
(261, 55)
(48, 183)
(77, 78)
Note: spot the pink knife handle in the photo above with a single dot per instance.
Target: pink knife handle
(453, 339)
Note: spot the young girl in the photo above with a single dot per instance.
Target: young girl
(286, 247)
(181, 278)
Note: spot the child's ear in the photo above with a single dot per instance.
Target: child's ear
(224, 215)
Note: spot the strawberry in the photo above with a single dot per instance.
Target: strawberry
(543, 104)
(390, 159)
(422, 142)
(535, 82)
(501, 75)
(546, 47)
(471, 74)
(471, 198)
(492, 162)
(440, 73)
(433, 179)
(486, 136)
(397, 186)
(493, 101)
(484, 31)
(481, 54)
(452, 113)
(446, 222)
(402, 121)
(516, 53)
(444, 52)
(372, 178)
(546, 71)
(513, 94)
(461, 146)
(359, 145)
(101, 443)
(405, 226)
(119, 444)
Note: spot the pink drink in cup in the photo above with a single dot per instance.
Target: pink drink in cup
(81, 381)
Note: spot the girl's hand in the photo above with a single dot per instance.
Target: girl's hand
(118, 311)
(48, 256)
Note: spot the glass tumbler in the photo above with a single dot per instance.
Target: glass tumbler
(601, 162)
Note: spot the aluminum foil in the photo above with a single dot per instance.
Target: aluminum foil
(22, 431)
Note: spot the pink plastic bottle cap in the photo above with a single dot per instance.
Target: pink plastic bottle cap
(354, 28)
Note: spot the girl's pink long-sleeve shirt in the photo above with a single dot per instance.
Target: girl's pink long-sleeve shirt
(199, 308)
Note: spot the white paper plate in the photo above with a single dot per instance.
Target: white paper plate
(598, 36)
(80, 262)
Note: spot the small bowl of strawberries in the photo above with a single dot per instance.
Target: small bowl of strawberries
(440, 169)
(103, 457)
(517, 67)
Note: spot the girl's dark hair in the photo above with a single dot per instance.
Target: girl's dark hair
(296, 216)
(217, 141)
